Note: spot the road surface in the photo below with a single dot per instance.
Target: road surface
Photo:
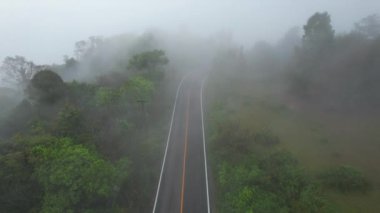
(183, 186)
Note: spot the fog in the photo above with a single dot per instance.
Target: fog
(45, 30)
(278, 99)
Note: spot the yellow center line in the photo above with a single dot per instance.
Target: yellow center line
(185, 151)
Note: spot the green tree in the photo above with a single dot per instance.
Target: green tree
(107, 96)
(139, 89)
(70, 122)
(317, 44)
(318, 32)
(46, 87)
(149, 63)
(82, 93)
(74, 177)
(19, 189)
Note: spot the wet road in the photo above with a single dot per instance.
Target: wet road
(183, 185)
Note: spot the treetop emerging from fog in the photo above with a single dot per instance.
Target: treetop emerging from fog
(318, 31)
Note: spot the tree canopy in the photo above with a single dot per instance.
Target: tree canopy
(369, 26)
(72, 175)
(318, 32)
(149, 63)
(18, 71)
(46, 87)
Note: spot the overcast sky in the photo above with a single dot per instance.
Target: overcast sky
(45, 30)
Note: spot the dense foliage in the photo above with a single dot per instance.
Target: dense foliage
(253, 177)
(78, 147)
(94, 144)
(46, 87)
(73, 177)
(345, 179)
(337, 72)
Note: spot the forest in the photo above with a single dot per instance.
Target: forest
(290, 126)
(294, 126)
(84, 146)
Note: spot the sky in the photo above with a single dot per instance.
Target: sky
(45, 30)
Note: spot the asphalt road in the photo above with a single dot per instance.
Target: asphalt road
(183, 185)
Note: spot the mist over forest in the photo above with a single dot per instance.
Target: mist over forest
(291, 102)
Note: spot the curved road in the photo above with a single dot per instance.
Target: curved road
(183, 185)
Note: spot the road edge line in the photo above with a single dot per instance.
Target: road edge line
(167, 142)
(204, 147)
(185, 152)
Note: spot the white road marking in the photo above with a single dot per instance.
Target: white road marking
(204, 147)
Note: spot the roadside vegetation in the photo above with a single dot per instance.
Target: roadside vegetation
(292, 126)
(84, 146)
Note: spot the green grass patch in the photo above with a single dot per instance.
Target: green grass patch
(318, 140)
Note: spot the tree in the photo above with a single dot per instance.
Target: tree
(140, 89)
(70, 122)
(19, 190)
(107, 96)
(46, 87)
(149, 63)
(319, 33)
(369, 26)
(84, 48)
(317, 46)
(18, 70)
(74, 177)
(70, 62)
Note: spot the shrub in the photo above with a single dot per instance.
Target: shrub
(266, 138)
(233, 138)
(345, 179)
(283, 176)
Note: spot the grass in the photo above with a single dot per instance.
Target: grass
(319, 140)
(320, 143)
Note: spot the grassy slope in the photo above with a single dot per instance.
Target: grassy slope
(318, 140)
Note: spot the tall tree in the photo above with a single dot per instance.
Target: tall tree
(319, 33)
(369, 26)
(18, 71)
(84, 48)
